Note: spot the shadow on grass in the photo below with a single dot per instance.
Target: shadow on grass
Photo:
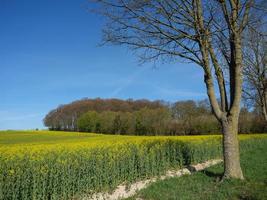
(217, 176)
(241, 197)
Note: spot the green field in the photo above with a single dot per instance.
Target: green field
(66, 165)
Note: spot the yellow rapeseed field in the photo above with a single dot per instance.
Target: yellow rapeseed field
(62, 165)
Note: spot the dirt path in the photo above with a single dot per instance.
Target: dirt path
(125, 191)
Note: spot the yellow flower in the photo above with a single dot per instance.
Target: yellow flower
(11, 171)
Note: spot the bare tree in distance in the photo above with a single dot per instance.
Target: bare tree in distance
(207, 33)
(255, 69)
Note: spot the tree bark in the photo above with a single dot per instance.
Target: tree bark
(232, 168)
(264, 105)
(227, 116)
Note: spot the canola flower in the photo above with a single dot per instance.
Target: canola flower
(65, 165)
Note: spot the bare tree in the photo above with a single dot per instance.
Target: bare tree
(255, 70)
(199, 31)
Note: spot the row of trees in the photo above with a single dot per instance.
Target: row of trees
(143, 117)
(146, 122)
(65, 117)
(143, 122)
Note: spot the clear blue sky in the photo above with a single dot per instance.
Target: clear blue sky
(49, 55)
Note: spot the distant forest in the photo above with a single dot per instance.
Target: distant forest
(144, 117)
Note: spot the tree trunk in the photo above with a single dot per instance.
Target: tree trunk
(264, 111)
(231, 155)
(264, 107)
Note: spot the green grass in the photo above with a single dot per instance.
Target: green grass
(206, 185)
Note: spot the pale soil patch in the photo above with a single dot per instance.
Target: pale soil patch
(125, 191)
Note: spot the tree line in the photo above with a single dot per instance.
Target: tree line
(65, 117)
(144, 117)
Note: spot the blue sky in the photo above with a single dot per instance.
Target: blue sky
(49, 55)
